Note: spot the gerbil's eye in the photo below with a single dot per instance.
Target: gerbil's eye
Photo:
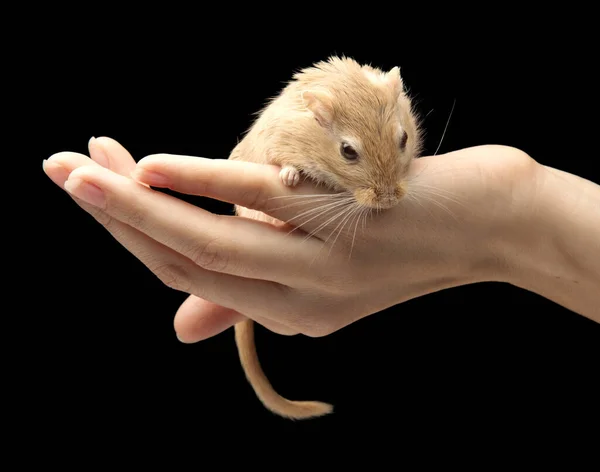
(403, 140)
(349, 152)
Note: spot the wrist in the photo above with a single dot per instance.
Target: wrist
(553, 242)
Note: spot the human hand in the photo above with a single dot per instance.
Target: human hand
(448, 232)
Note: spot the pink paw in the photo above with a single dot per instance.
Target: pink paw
(289, 176)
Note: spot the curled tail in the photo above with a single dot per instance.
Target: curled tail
(244, 337)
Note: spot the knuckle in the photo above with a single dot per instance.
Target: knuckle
(210, 255)
(135, 218)
(99, 215)
(103, 218)
(254, 199)
(173, 276)
(131, 209)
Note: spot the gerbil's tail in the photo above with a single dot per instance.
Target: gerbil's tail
(295, 410)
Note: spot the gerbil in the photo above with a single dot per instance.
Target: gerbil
(348, 126)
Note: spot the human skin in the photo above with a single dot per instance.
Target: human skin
(487, 213)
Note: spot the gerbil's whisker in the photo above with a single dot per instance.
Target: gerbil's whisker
(439, 205)
(317, 209)
(438, 192)
(305, 202)
(343, 213)
(424, 186)
(411, 178)
(359, 214)
(444, 133)
(446, 196)
(329, 207)
(412, 198)
(329, 195)
(332, 219)
(349, 212)
(324, 224)
(419, 191)
(367, 214)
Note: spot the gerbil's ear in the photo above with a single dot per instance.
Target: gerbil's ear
(320, 104)
(393, 80)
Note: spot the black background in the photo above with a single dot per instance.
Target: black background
(463, 364)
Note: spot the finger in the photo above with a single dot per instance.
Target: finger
(56, 172)
(112, 155)
(199, 319)
(109, 153)
(59, 166)
(251, 185)
(229, 245)
(179, 273)
(173, 269)
(207, 318)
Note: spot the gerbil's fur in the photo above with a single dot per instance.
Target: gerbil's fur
(348, 126)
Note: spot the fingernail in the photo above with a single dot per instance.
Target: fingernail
(99, 155)
(89, 193)
(150, 177)
(57, 173)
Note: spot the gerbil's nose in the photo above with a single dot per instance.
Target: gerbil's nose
(389, 195)
(391, 192)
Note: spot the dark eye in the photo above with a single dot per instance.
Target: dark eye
(403, 140)
(349, 152)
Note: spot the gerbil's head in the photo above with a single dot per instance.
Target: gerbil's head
(367, 126)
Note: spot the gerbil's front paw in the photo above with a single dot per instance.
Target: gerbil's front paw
(290, 176)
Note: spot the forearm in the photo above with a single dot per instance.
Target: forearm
(556, 251)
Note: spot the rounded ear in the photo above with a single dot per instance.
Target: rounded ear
(394, 80)
(320, 103)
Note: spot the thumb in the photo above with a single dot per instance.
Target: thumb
(198, 319)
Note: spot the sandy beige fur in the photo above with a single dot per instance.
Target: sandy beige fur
(302, 130)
